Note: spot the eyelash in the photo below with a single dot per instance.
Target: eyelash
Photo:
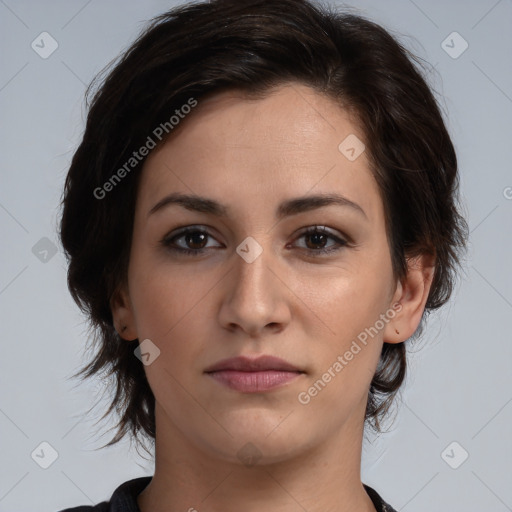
(313, 230)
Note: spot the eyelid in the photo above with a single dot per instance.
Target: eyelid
(184, 230)
(319, 228)
(341, 239)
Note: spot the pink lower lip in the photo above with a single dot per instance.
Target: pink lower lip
(253, 382)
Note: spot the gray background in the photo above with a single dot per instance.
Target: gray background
(459, 387)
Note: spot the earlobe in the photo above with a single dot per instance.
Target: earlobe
(412, 294)
(122, 314)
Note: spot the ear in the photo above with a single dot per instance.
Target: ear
(122, 313)
(411, 293)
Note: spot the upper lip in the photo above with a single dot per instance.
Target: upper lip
(246, 364)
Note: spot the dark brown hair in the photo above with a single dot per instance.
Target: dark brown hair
(203, 48)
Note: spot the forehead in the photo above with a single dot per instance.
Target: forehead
(242, 150)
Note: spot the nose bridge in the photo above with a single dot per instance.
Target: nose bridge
(252, 273)
(254, 298)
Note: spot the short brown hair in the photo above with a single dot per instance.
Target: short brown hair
(203, 48)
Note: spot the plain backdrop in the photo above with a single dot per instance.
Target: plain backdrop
(459, 390)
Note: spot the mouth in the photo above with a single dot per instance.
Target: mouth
(253, 375)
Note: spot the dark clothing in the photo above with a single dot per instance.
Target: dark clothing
(124, 499)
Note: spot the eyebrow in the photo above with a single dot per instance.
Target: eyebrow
(286, 208)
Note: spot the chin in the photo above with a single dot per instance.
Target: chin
(262, 438)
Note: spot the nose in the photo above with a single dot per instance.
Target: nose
(255, 298)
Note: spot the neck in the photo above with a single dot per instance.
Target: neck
(325, 478)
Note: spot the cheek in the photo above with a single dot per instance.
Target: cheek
(172, 308)
(348, 352)
(164, 293)
(163, 305)
(349, 339)
(347, 301)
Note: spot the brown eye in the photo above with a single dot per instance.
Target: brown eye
(195, 239)
(191, 240)
(317, 239)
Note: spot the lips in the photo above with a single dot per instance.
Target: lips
(245, 364)
(253, 375)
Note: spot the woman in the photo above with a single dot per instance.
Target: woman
(262, 211)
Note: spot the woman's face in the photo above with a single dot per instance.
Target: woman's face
(254, 282)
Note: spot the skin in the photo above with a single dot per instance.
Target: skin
(251, 155)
